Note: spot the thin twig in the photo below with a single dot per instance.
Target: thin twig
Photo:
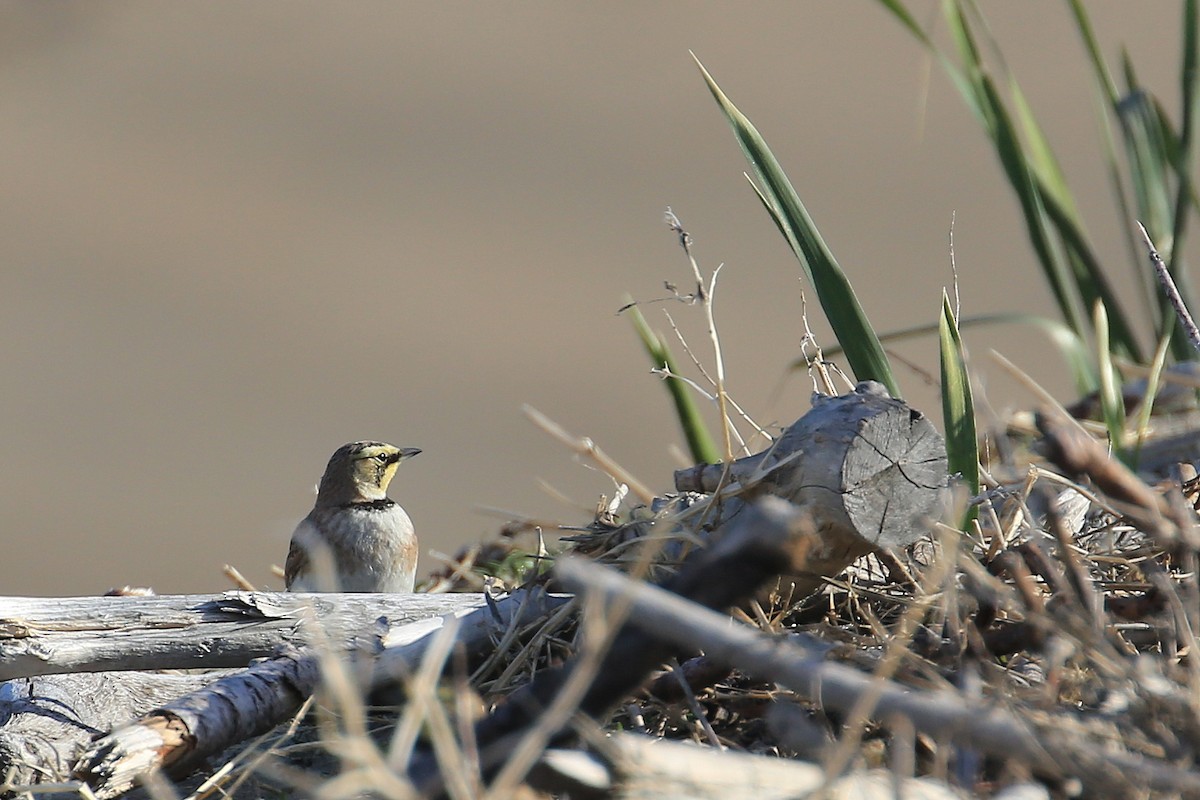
(954, 270)
(694, 704)
(706, 300)
(1036, 389)
(704, 372)
(586, 447)
(1172, 293)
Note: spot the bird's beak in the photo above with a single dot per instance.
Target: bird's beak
(408, 452)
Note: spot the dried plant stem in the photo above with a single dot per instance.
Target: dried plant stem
(705, 296)
(586, 447)
(1035, 388)
(694, 704)
(817, 365)
(600, 625)
(422, 691)
(238, 579)
(897, 647)
(700, 366)
(1169, 289)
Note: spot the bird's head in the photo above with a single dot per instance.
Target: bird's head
(361, 471)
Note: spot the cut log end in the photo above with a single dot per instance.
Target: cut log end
(869, 468)
(894, 477)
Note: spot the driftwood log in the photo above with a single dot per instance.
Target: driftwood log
(45, 636)
(630, 766)
(70, 663)
(179, 734)
(47, 720)
(869, 470)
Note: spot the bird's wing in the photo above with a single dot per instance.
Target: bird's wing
(297, 563)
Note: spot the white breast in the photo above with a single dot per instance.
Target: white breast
(373, 549)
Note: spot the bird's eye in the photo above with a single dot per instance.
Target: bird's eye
(382, 458)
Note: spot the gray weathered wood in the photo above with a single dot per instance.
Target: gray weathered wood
(864, 463)
(631, 766)
(179, 733)
(868, 469)
(46, 720)
(43, 636)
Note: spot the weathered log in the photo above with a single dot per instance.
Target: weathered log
(179, 734)
(868, 469)
(44, 636)
(630, 766)
(862, 463)
(1050, 748)
(46, 721)
(47, 717)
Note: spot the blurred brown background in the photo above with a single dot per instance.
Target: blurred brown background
(237, 235)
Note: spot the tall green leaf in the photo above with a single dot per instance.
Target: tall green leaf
(958, 407)
(846, 316)
(1186, 153)
(1112, 403)
(1070, 266)
(700, 443)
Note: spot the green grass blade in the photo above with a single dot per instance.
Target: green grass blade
(1007, 144)
(1039, 155)
(1089, 275)
(1112, 403)
(958, 407)
(846, 316)
(1070, 265)
(1150, 165)
(1149, 160)
(700, 443)
(1104, 78)
(1051, 256)
(1147, 285)
(956, 76)
(907, 20)
(1150, 146)
(1174, 147)
(1147, 404)
(1106, 87)
(1185, 157)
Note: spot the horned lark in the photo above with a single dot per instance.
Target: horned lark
(355, 539)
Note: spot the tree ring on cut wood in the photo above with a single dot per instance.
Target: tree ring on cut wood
(870, 469)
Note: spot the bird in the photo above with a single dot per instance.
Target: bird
(356, 538)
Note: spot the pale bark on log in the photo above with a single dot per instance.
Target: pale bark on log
(1050, 749)
(179, 734)
(44, 636)
(629, 766)
(868, 469)
(46, 717)
(45, 721)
